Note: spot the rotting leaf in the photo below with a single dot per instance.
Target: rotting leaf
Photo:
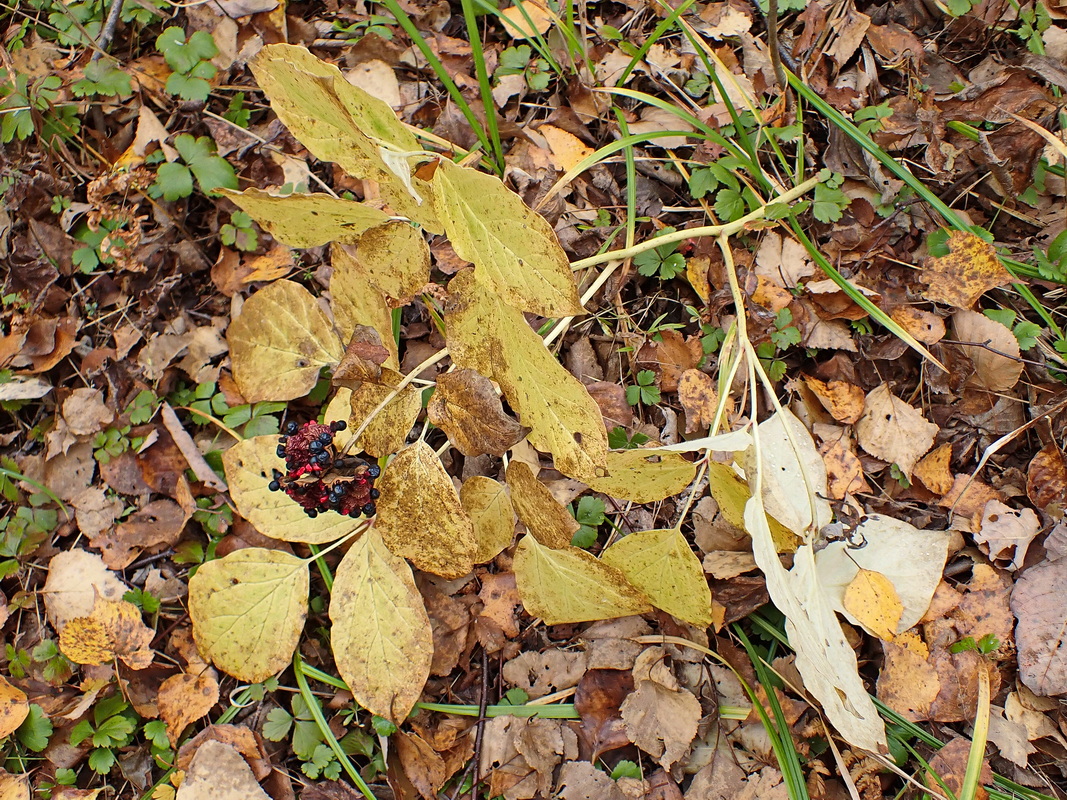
(545, 518)
(872, 600)
(279, 343)
(495, 339)
(394, 257)
(382, 641)
(894, 431)
(356, 301)
(488, 504)
(218, 771)
(249, 466)
(515, 252)
(843, 400)
(571, 585)
(114, 628)
(466, 408)
(661, 564)
(183, 699)
(389, 429)
(307, 220)
(644, 476)
(363, 358)
(340, 122)
(1046, 477)
(697, 394)
(997, 366)
(420, 516)
(661, 720)
(248, 610)
(970, 270)
(1037, 603)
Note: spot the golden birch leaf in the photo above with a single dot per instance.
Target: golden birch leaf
(420, 516)
(488, 504)
(571, 585)
(872, 599)
(183, 699)
(280, 342)
(644, 476)
(997, 366)
(355, 301)
(14, 786)
(969, 270)
(389, 429)
(515, 251)
(248, 610)
(495, 339)
(394, 257)
(466, 408)
(382, 641)
(549, 522)
(13, 707)
(249, 466)
(114, 628)
(307, 220)
(661, 565)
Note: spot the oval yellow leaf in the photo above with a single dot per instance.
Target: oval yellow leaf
(356, 301)
(248, 610)
(390, 427)
(570, 585)
(660, 564)
(395, 258)
(13, 707)
(515, 252)
(488, 505)
(382, 641)
(249, 466)
(872, 599)
(546, 519)
(307, 220)
(279, 343)
(644, 476)
(420, 516)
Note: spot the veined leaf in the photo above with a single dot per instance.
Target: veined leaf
(571, 585)
(544, 517)
(644, 476)
(279, 343)
(355, 300)
(660, 564)
(495, 339)
(382, 641)
(515, 251)
(248, 610)
(308, 220)
(394, 257)
(488, 505)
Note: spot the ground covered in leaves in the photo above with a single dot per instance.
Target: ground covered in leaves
(356, 443)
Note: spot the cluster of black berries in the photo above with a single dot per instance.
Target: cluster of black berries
(318, 478)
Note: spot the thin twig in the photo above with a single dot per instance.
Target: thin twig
(108, 31)
(480, 735)
(776, 56)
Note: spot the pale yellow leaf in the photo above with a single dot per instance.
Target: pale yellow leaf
(661, 564)
(341, 123)
(420, 516)
(75, 579)
(248, 610)
(390, 427)
(894, 431)
(355, 300)
(732, 493)
(307, 220)
(570, 585)
(495, 339)
(644, 476)
(218, 771)
(280, 342)
(488, 505)
(546, 519)
(394, 257)
(14, 787)
(381, 635)
(872, 600)
(515, 251)
(249, 466)
(13, 707)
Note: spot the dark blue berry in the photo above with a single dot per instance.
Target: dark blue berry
(374, 494)
(291, 428)
(325, 438)
(374, 471)
(311, 512)
(354, 513)
(315, 446)
(339, 425)
(369, 509)
(281, 451)
(274, 486)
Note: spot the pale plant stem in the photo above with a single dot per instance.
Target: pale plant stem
(334, 545)
(693, 492)
(565, 323)
(724, 230)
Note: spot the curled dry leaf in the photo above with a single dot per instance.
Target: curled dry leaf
(112, 629)
(934, 470)
(249, 466)
(307, 220)
(696, 393)
(546, 519)
(661, 721)
(526, 19)
(183, 699)
(1046, 477)
(995, 352)
(571, 585)
(661, 564)
(363, 358)
(248, 610)
(644, 475)
(670, 357)
(466, 408)
(731, 493)
(280, 342)
(843, 400)
(925, 326)
(382, 641)
(420, 516)
(1006, 533)
(488, 504)
(894, 431)
(1037, 603)
(969, 270)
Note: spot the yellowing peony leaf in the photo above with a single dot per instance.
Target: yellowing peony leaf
(390, 427)
(357, 301)
(394, 257)
(307, 220)
(495, 339)
(341, 123)
(546, 519)
(248, 610)
(872, 600)
(570, 585)
(488, 505)
(279, 343)
(661, 565)
(515, 251)
(466, 407)
(382, 641)
(249, 466)
(420, 516)
(114, 628)
(644, 476)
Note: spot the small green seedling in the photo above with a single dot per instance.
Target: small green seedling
(174, 180)
(190, 61)
(984, 646)
(645, 392)
(105, 79)
(590, 515)
(113, 726)
(618, 440)
(664, 261)
(239, 232)
(519, 61)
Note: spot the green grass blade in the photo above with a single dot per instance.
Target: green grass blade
(484, 84)
(660, 29)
